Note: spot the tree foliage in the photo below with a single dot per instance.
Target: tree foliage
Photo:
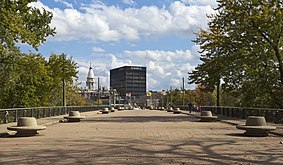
(29, 80)
(19, 22)
(242, 48)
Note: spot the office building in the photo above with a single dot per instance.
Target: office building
(129, 81)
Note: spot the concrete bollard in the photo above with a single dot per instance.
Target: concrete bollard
(206, 116)
(170, 109)
(105, 111)
(256, 126)
(26, 126)
(177, 111)
(74, 116)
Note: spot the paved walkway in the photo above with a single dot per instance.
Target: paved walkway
(140, 137)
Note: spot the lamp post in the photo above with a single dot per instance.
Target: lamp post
(64, 92)
(183, 92)
(114, 99)
(98, 91)
(171, 96)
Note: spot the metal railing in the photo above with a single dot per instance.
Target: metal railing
(270, 114)
(12, 115)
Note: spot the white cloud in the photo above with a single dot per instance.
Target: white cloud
(212, 3)
(98, 50)
(67, 4)
(164, 68)
(98, 22)
(129, 2)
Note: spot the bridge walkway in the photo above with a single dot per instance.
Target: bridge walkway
(139, 137)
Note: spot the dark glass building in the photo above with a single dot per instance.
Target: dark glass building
(129, 81)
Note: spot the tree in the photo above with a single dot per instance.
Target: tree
(22, 23)
(63, 70)
(19, 22)
(243, 48)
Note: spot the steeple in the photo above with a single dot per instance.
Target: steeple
(90, 80)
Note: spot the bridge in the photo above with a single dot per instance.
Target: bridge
(140, 137)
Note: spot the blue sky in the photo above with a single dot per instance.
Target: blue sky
(108, 34)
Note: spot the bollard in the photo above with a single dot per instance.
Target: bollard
(206, 116)
(74, 116)
(26, 126)
(256, 126)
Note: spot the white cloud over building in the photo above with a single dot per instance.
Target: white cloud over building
(97, 22)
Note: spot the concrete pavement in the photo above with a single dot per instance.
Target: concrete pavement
(140, 137)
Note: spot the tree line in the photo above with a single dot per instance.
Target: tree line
(28, 79)
(242, 53)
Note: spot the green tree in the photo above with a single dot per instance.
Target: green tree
(24, 84)
(19, 22)
(62, 69)
(22, 23)
(243, 48)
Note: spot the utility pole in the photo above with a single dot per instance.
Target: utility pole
(171, 96)
(98, 91)
(183, 89)
(167, 98)
(64, 92)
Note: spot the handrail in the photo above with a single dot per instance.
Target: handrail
(251, 108)
(13, 114)
(271, 114)
(12, 109)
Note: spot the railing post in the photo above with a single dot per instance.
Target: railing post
(50, 112)
(58, 109)
(37, 113)
(16, 115)
(6, 117)
(44, 112)
(24, 113)
(243, 113)
(31, 112)
(278, 117)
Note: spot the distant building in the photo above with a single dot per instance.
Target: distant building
(129, 81)
(96, 94)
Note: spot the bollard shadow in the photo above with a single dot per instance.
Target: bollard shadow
(236, 134)
(12, 135)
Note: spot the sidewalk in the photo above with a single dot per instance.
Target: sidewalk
(140, 137)
(55, 119)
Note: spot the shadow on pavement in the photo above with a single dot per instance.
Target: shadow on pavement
(142, 119)
(134, 151)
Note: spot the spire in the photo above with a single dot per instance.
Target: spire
(90, 74)
(90, 80)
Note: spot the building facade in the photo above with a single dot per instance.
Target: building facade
(129, 81)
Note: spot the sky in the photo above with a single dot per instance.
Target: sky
(108, 34)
